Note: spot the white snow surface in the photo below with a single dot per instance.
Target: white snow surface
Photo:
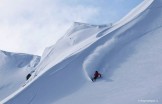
(13, 70)
(127, 53)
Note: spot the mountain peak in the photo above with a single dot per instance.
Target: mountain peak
(128, 55)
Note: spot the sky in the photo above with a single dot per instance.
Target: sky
(29, 26)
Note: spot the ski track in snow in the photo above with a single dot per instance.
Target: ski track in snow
(93, 61)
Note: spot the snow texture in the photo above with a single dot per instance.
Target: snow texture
(13, 70)
(127, 53)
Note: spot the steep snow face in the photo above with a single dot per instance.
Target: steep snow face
(13, 70)
(78, 37)
(128, 54)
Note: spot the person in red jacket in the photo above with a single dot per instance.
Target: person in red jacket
(96, 75)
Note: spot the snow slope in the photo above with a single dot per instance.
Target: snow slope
(127, 53)
(13, 70)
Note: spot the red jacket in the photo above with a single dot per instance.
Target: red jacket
(97, 74)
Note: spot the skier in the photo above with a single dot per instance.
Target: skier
(96, 75)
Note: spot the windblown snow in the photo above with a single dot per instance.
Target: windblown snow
(127, 53)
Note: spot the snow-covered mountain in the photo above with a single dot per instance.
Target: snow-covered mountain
(127, 53)
(13, 70)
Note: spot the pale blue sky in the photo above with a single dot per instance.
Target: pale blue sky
(31, 25)
(109, 10)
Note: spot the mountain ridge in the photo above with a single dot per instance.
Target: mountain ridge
(13, 70)
(128, 55)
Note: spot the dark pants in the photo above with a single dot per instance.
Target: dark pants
(94, 78)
